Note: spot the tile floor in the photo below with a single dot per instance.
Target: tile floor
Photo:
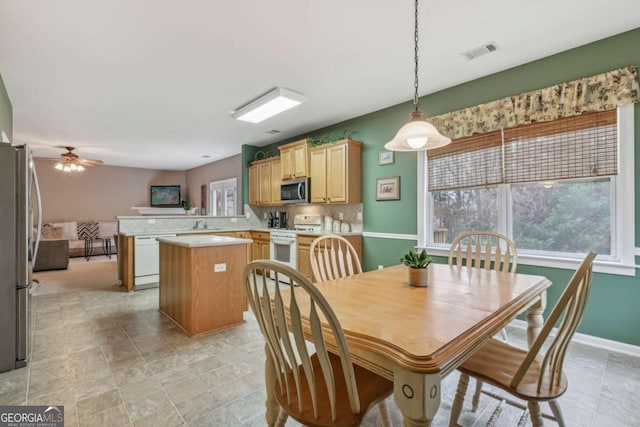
(113, 360)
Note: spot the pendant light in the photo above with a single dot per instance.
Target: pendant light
(417, 134)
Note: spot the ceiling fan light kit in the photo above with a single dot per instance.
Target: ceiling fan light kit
(268, 105)
(68, 167)
(417, 134)
(70, 162)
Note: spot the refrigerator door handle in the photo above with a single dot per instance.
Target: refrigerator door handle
(39, 203)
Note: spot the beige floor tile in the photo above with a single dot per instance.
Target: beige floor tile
(145, 406)
(97, 403)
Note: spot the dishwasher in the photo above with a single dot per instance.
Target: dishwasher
(147, 261)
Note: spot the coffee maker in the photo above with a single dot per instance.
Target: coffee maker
(277, 219)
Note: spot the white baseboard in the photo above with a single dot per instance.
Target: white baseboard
(619, 347)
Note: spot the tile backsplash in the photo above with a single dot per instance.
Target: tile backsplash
(147, 224)
(349, 213)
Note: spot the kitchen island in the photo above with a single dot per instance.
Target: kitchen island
(201, 286)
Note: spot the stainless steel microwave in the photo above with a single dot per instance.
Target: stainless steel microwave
(295, 191)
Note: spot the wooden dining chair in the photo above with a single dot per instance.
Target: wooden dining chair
(488, 250)
(333, 257)
(524, 373)
(484, 249)
(313, 386)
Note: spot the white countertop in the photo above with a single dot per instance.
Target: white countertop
(219, 230)
(201, 241)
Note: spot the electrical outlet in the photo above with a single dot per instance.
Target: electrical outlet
(151, 221)
(217, 268)
(264, 216)
(247, 215)
(380, 266)
(340, 216)
(359, 216)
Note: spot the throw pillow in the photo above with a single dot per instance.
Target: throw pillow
(88, 230)
(47, 231)
(56, 232)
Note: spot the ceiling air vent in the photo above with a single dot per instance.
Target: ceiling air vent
(480, 51)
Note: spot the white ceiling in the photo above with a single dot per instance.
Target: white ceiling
(150, 83)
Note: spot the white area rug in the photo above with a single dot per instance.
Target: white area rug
(99, 273)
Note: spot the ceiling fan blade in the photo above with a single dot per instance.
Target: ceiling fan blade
(89, 162)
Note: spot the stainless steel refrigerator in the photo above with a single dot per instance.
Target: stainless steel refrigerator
(19, 238)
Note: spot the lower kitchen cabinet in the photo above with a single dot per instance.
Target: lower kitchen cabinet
(304, 252)
(260, 245)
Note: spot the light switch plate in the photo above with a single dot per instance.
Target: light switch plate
(234, 219)
(151, 221)
(359, 216)
(217, 268)
(340, 216)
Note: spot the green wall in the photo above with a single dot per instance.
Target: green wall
(6, 111)
(612, 312)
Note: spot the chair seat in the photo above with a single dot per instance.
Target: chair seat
(496, 363)
(372, 388)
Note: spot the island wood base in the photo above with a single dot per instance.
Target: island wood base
(195, 296)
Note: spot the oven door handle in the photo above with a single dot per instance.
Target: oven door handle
(278, 241)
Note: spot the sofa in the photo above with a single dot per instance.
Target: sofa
(83, 237)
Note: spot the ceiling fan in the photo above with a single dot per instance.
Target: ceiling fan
(70, 162)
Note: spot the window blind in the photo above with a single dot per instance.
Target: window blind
(471, 161)
(572, 147)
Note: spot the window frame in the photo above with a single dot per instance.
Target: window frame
(223, 184)
(623, 260)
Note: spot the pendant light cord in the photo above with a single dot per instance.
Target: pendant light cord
(415, 37)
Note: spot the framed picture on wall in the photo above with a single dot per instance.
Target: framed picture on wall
(386, 158)
(388, 188)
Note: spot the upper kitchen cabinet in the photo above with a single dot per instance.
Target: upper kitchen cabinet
(335, 172)
(294, 160)
(264, 182)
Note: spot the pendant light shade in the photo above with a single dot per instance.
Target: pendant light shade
(417, 134)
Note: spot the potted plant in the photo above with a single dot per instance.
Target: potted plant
(418, 263)
(187, 208)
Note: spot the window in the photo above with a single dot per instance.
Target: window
(223, 197)
(558, 189)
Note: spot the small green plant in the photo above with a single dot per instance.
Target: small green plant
(414, 259)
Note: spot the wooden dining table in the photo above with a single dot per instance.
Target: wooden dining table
(416, 336)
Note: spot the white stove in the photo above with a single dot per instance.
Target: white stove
(284, 243)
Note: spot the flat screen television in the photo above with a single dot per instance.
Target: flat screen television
(165, 196)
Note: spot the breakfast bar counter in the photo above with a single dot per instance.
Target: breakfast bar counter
(201, 287)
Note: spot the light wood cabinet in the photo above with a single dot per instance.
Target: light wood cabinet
(197, 297)
(276, 180)
(335, 171)
(254, 185)
(260, 245)
(295, 160)
(304, 247)
(264, 179)
(318, 174)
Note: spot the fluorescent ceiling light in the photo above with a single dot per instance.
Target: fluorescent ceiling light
(269, 104)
